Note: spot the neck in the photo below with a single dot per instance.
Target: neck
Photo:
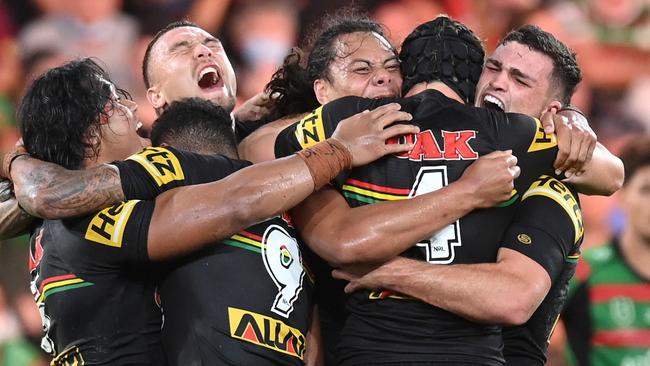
(109, 151)
(636, 250)
(226, 151)
(434, 85)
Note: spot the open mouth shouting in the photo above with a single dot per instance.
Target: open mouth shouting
(490, 101)
(209, 78)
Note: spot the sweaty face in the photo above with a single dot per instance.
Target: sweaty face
(189, 62)
(635, 201)
(365, 65)
(516, 79)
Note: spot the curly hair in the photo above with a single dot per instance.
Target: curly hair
(566, 72)
(62, 109)
(292, 86)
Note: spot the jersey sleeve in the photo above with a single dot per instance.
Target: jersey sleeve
(157, 169)
(549, 226)
(535, 150)
(321, 123)
(114, 236)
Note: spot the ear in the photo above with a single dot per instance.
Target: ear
(321, 90)
(556, 104)
(156, 98)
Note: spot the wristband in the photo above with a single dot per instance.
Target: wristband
(325, 161)
(9, 159)
(572, 108)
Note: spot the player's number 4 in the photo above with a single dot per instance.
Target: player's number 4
(439, 248)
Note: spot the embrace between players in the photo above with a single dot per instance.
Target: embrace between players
(448, 259)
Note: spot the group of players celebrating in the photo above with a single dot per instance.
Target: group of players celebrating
(438, 228)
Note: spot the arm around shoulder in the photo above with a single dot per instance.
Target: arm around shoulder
(50, 191)
(603, 175)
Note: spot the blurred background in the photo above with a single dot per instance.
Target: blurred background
(611, 38)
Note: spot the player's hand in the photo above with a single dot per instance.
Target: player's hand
(255, 108)
(365, 133)
(372, 280)
(576, 140)
(5, 168)
(491, 178)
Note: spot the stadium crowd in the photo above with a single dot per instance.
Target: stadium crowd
(608, 308)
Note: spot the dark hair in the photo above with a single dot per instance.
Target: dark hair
(635, 155)
(292, 86)
(443, 50)
(61, 110)
(195, 124)
(147, 53)
(566, 72)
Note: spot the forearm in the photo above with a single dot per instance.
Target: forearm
(52, 192)
(190, 217)
(379, 232)
(485, 292)
(603, 176)
(13, 220)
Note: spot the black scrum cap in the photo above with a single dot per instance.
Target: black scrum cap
(444, 50)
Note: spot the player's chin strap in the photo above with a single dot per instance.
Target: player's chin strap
(444, 50)
(325, 161)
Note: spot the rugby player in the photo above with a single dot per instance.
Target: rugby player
(350, 190)
(381, 86)
(380, 79)
(609, 184)
(74, 116)
(530, 71)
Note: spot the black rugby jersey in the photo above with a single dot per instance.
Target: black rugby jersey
(385, 327)
(243, 301)
(548, 229)
(95, 289)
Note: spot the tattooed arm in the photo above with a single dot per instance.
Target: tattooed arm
(50, 191)
(13, 220)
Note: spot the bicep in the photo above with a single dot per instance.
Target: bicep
(54, 192)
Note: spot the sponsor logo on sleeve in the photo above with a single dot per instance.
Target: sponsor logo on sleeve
(107, 227)
(310, 130)
(161, 164)
(542, 141)
(552, 188)
(524, 239)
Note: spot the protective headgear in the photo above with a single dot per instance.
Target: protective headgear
(443, 50)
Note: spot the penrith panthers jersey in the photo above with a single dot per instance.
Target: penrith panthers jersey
(243, 301)
(387, 327)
